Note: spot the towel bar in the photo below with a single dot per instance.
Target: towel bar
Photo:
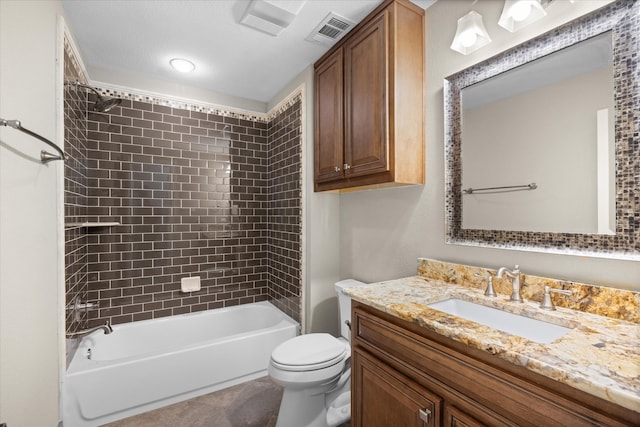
(45, 157)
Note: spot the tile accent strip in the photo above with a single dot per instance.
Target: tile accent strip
(193, 105)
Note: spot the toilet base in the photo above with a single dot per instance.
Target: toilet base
(339, 411)
(324, 406)
(298, 409)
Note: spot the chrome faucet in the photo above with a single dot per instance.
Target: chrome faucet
(106, 328)
(514, 275)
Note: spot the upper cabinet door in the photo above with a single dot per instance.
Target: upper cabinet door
(366, 99)
(329, 114)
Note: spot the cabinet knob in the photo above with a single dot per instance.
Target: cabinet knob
(347, 166)
(336, 168)
(425, 414)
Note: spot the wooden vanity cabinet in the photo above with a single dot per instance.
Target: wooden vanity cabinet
(369, 103)
(401, 371)
(388, 398)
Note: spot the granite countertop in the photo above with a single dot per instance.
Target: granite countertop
(600, 356)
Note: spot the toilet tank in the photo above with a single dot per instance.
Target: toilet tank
(344, 305)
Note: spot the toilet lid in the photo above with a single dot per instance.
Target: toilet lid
(307, 352)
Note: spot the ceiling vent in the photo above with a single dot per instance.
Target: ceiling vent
(331, 29)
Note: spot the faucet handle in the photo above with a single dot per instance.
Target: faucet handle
(516, 269)
(489, 291)
(546, 303)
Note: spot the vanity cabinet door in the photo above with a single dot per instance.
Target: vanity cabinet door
(455, 417)
(385, 398)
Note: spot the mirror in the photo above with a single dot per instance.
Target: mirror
(515, 141)
(567, 158)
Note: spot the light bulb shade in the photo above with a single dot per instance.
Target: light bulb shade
(471, 34)
(517, 14)
(182, 65)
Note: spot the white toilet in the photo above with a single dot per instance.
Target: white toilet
(315, 371)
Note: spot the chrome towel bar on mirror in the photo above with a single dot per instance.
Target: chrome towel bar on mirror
(531, 186)
(45, 156)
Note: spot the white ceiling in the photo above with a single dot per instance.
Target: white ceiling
(141, 36)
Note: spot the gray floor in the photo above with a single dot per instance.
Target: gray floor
(251, 404)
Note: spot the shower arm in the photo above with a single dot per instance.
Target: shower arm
(87, 87)
(104, 103)
(45, 156)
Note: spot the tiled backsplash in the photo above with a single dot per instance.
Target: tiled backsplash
(215, 195)
(604, 301)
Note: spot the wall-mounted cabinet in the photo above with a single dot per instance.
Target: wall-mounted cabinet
(369, 103)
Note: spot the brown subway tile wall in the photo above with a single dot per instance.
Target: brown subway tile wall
(75, 192)
(197, 191)
(284, 210)
(193, 192)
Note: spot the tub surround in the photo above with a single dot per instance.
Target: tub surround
(195, 197)
(600, 356)
(76, 192)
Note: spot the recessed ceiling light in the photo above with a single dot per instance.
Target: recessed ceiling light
(182, 65)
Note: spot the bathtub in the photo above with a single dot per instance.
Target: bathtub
(149, 364)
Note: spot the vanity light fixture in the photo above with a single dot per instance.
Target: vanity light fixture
(517, 14)
(471, 34)
(182, 65)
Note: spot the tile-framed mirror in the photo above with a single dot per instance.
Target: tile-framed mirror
(622, 20)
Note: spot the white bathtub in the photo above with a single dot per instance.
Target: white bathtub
(149, 364)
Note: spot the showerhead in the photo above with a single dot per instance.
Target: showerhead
(104, 103)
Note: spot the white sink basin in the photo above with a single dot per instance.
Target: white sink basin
(531, 329)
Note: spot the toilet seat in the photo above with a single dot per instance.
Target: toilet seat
(309, 352)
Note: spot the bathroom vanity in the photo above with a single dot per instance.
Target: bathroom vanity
(414, 365)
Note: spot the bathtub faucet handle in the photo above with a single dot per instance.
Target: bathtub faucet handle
(87, 305)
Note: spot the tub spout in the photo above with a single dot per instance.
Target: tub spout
(106, 328)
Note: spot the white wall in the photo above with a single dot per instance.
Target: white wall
(383, 232)
(30, 286)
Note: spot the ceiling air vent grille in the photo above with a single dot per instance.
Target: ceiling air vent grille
(331, 29)
(335, 22)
